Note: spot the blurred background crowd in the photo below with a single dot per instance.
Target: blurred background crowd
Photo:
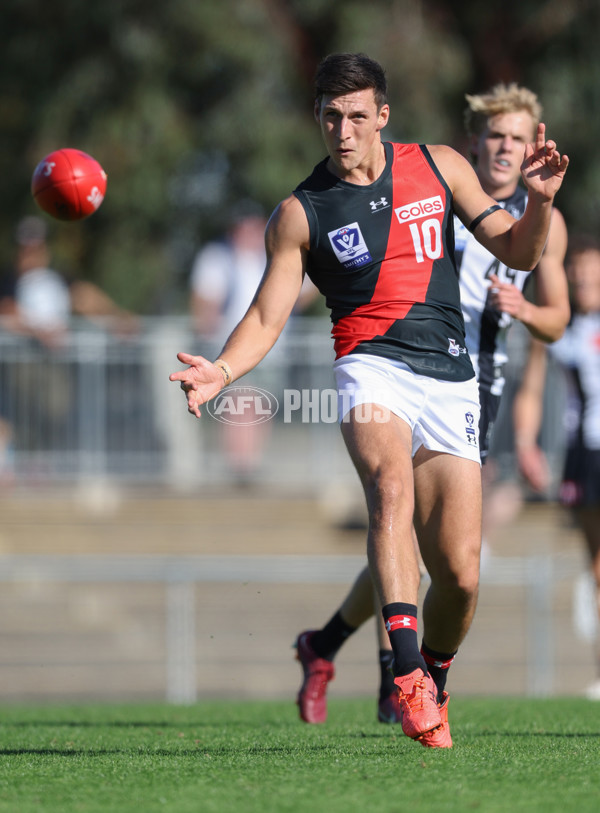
(192, 106)
(201, 115)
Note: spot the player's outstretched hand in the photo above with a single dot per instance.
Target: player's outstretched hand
(543, 167)
(201, 381)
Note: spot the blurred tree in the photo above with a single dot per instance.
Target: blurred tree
(192, 105)
(550, 46)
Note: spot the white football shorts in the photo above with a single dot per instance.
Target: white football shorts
(443, 415)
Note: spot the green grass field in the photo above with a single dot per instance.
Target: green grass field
(509, 755)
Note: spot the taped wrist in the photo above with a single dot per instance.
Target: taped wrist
(225, 371)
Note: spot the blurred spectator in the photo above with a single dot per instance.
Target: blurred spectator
(578, 353)
(225, 276)
(37, 302)
(227, 272)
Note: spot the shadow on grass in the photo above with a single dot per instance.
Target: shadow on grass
(385, 731)
(101, 752)
(124, 724)
(177, 751)
(557, 734)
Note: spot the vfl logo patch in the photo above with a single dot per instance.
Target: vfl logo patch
(470, 428)
(349, 246)
(455, 349)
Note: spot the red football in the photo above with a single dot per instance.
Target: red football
(68, 184)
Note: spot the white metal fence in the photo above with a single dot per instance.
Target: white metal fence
(101, 406)
(182, 655)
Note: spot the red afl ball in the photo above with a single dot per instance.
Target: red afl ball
(68, 184)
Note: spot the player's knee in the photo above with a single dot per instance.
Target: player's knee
(459, 580)
(388, 492)
(467, 585)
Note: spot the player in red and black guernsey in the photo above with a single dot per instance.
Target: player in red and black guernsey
(382, 255)
(499, 124)
(408, 397)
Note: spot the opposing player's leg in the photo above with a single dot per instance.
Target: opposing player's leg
(316, 649)
(388, 703)
(317, 673)
(358, 605)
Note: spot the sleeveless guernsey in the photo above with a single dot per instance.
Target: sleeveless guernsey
(383, 256)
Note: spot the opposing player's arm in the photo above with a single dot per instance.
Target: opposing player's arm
(549, 316)
(527, 418)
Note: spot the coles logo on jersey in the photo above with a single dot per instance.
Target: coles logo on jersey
(419, 209)
(349, 246)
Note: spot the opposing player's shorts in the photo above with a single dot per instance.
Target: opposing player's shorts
(443, 415)
(580, 484)
(489, 405)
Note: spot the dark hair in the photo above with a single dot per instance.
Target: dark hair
(579, 243)
(338, 74)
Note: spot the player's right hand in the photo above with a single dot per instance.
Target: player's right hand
(200, 382)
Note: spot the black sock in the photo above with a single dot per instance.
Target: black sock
(438, 664)
(401, 624)
(386, 670)
(330, 639)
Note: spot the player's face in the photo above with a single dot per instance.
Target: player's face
(584, 278)
(350, 125)
(499, 150)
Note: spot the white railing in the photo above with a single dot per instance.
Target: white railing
(181, 577)
(101, 406)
